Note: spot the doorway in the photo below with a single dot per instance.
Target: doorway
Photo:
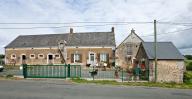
(92, 58)
(50, 59)
(23, 59)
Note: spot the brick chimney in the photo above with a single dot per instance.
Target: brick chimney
(71, 30)
(113, 29)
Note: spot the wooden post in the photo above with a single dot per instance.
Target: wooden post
(155, 49)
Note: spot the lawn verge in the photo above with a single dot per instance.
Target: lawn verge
(147, 84)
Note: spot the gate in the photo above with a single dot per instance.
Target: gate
(51, 71)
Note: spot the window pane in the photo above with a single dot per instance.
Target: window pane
(77, 57)
(103, 57)
(92, 57)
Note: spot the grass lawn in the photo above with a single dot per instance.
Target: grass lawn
(148, 84)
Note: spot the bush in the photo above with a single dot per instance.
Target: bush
(189, 66)
(2, 56)
(9, 75)
(187, 77)
(189, 57)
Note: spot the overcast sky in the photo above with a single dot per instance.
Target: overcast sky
(64, 11)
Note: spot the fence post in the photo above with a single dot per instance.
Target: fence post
(24, 70)
(122, 75)
(65, 70)
(75, 71)
(68, 70)
(80, 71)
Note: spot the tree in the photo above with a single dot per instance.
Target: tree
(189, 57)
(2, 56)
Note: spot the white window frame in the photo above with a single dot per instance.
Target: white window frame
(13, 57)
(76, 57)
(92, 62)
(57, 57)
(103, 57)
(32, 57)
(41, 57)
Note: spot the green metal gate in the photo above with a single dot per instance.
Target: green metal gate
(51, 71)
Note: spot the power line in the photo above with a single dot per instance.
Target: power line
(168, 32)
(129, 22)
(80, 22)
(52, 27)
(64, 26)
(176, 23)
(172, 23)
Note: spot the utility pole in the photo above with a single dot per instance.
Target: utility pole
(155, 49)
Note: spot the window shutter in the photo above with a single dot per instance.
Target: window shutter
(80, 60)
(98, 57)
(72, 58)
(107, 58)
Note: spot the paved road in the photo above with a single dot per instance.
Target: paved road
(60, 89)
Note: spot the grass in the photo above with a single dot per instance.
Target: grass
(148, 84)
(9, 77)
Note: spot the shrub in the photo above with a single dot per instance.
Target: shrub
(189, 66)
(187, 77)
(189, 57)
(9, 75)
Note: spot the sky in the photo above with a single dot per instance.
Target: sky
(72, 11)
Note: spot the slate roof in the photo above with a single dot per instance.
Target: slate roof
(73, 39)
(165, 50)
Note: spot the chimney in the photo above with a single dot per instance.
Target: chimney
(132, 31)
(71, 30)
(113, 29)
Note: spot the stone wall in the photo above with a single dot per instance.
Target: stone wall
(122, 59)
(85, 54)
(45, 51)
(27, 51)
(167, 71)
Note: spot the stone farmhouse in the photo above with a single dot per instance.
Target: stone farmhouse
(134, 53)
(99, 49)
(89, 48)
(170, 64)
(127, 50)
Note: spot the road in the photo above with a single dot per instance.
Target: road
(61, 89)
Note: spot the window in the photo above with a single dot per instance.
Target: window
(13, 56)
(103, 57)
(92, 57)
(76, 57)
(40, 56)
(32, 56)
(129, 49)
(57, 56)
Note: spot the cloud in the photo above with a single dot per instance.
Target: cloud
(98, 11)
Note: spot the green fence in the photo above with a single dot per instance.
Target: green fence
(113, 74)
(51, 71)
